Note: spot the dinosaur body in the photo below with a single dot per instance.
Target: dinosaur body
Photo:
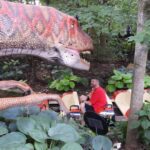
(43, 32)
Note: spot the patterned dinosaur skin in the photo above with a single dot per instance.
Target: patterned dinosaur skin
(43, 32)
(34, 98)
(30, 99)
(12, 84)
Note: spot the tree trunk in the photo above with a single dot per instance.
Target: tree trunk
(140, 57)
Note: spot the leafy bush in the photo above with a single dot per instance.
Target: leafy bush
(143, 36)
(146, 81)
(143, 124)
(12, 69)
(64, 80)
(48, 131)
(123, 80)
(119, 132)
(119, 80)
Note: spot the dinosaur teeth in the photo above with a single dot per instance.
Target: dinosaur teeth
(85, 61)
(86, 52)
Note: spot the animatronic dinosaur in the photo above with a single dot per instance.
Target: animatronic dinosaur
(42, 32)
(12, 84)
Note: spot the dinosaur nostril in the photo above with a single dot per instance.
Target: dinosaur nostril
(55, 49)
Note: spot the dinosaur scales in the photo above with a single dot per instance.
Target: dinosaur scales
(42, 32)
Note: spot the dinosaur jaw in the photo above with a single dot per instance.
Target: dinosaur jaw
(71, 58)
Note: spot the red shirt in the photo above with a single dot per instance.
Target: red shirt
(98, 99)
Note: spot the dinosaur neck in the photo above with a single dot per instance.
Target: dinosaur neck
(45, 54)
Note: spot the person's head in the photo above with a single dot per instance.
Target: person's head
(94, 83)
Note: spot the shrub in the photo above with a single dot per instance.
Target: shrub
(64, 80)
(12, 69)
(48, 131)
(119, 80)
(123, 80)
(143, 124)
(118, 133)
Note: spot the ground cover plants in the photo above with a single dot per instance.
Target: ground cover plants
(47, 131)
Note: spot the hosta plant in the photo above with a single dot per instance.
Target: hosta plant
(65, 80)
(119, 80)
(48, 131)
(123, 80)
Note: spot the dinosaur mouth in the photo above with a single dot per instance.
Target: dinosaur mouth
(85, 55)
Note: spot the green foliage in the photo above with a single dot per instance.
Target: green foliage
(12, 69)
(119, 80)
(48, 131)
(64, 80)
(72, 146)
(143, 124)
(146, 81)
(123, 80)
(119, 132)
(100, 142)
(143, 36)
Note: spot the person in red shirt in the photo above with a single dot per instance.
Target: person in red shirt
(97, 98)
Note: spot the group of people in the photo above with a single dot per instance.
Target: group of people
(96, 100)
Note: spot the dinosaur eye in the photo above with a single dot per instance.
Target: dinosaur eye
(72, 25)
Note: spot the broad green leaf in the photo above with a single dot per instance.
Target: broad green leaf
(42, 121)
(20, 147)
(127, 76)
(40, 146)
(111, 88)
(116, 77)
(38, 135)
(139, 37)
(23, 147)
(54, 148)
(49, 114)
(12, 139)
(147, 134)
(145, 124)
(111, 81)
(127, 81)
(64, 82)
(117, 73)
(26, 125)
(142, 113)
(72, 84)
(74, 78)
(72, 146)
(119, 85)
(3, 128)
(63, 132)
(101, 143)
(129, 85)
(53, 84)
(66, 88)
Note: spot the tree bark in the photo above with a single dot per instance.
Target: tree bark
(140, 57)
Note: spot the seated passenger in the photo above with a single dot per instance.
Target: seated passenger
(96, 100)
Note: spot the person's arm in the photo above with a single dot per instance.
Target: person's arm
(88, 102)
(83, 98)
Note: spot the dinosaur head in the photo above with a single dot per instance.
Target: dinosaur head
(67, 57)
(71, 42)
